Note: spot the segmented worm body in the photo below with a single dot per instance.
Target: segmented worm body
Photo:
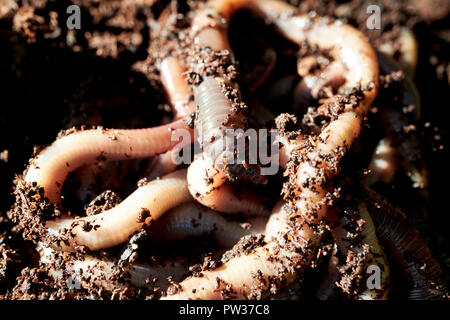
(215, 111)
(395, 149)
(192, 219)
(360, 245)
(276, 259)
(49, 170)
(383, 165)
(175, 84)
(420, 270)
(209, 186)
(244, 275)
(115, 226)
(112, 227)
(270, 246)
(408, 50)
(101, 271)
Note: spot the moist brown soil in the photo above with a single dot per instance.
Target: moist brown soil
(57, 79)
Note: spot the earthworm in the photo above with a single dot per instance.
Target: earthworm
(407, 47)
(215, 117)
(179, 95)
(238, 275)
(162, 164)
(278, 221)
(176, 87)
(260, 265)
(409, 146)
(49, 170)
(192, 219)
(359, 58)
(310, 86)
(409, 94)
(116, 225)
(422, 273)
(218, 113)
(384, 162)
(100, 271)
(383, 165)
(283, 261)
(207, 176)
(408, 143)
(289, 146)
(360, 244)
(208, 185)
(326, 290)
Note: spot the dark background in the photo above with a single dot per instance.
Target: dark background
(53, 80)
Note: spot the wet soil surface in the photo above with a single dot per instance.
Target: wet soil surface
(53, 79)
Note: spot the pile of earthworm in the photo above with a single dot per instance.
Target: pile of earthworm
(316, 216)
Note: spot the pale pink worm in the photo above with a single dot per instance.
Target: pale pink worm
(384, 163)
(176, 87)
(408, 49)
(348, 45)
(100, 271)
(209, 186)
(49, 170)
(240, 272)
(193, 219)
(375, 257)
(162, 164)
(179, 94)
(115, 226)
